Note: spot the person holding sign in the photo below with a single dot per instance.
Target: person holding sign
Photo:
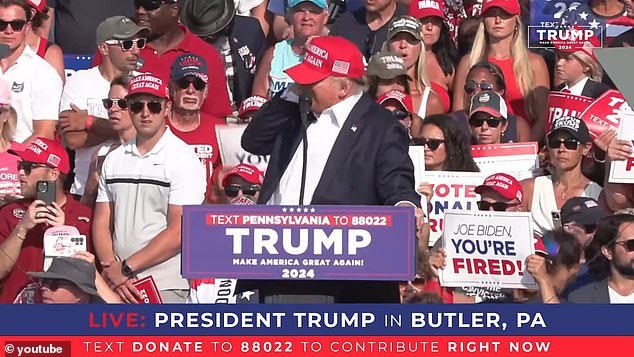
(568, 142)
(333, 145)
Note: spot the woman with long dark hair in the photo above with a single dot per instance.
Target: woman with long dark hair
(446, 146)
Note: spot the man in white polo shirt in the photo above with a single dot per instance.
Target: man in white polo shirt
(144, 184)
(36, 87)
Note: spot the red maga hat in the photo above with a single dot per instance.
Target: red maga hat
(45, 151)
(328, 56)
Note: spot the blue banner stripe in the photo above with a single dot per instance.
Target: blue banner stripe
(333, 320)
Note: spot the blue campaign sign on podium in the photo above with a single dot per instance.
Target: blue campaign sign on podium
(307, 242)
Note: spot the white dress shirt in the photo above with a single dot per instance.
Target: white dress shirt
(321, 137)
(577, 88)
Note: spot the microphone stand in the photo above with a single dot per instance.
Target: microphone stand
(304, 110)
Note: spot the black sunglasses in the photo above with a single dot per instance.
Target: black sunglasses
(151, 5)
(401, 114)
(54, 284)
(627, 244)
(249, 190)
(497, 206)
(184, 83)
(16, 25)
(28, 166)
(471, 86)
(154, 106)
(432, 144)
(126, 45)
(492, 122)
(121, 103)
(569, 143)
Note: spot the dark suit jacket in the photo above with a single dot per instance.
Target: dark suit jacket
(368, 165)
(592, 89)
(593, 293)
(247, 47)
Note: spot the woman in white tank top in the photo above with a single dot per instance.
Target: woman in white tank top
(568, 142)
(405, 38)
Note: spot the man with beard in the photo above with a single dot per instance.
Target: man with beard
(189, 88)
(119, 41)
(170, 39)
(610, 257)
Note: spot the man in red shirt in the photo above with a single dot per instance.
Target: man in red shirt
(23, 222)
(189, 89)
(170, 39)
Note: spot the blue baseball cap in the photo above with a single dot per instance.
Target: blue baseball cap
(321, 3)
(189, 65)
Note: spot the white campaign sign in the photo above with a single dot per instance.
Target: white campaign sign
(486, 249)
(623, 171)
(519, 160)
(231, 151)
(452, 191)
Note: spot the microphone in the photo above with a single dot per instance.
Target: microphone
(304, 110)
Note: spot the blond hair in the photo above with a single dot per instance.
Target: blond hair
(519, 53)
(9, 120)
(421, 69)
(594, 72)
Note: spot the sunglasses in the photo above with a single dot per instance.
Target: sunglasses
(121, 103)
(151, 5)
(492, 122)
(497, 206)
(627, 244)
(126, 45)
(400, 114)
(249, 190)
(569, 143)
(16, 25)
(471, 86)
(154, 106)
(184, 83)
(28, 166)
(432, 144)
(54, 284)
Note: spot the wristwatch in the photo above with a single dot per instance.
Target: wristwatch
(126, 270)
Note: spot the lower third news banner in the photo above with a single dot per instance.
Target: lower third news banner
(316, 330)
(320, 242)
